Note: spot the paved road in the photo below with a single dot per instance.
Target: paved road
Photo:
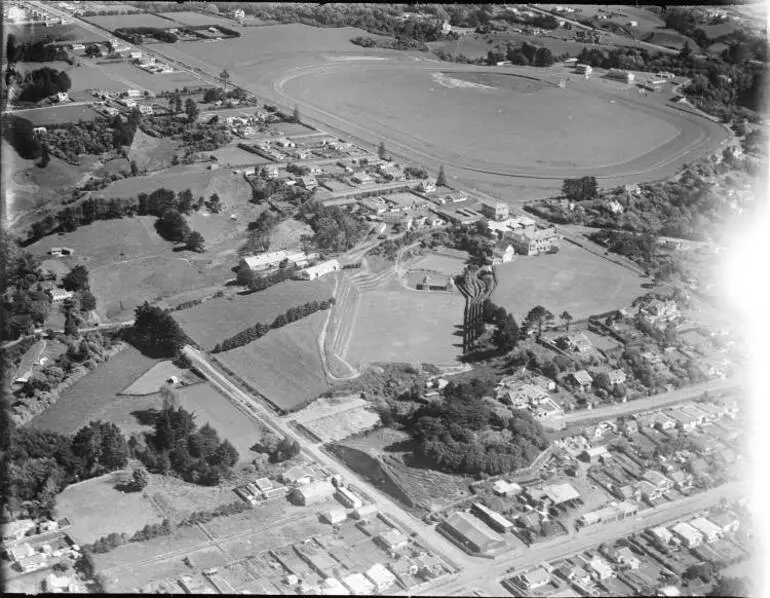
(653, 402)
(578, 542)
(431, 538)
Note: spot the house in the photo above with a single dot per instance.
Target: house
(600, 569)
(358, 584)
(56, 584)
(39, 131)
(494, 210)
(15, 530)
(285, 143)
(657, 311)
(657, 479)
(335, 515)
(333, 587)
(711, 532)
(616, 377)
(578, 342)
(471, 534)
(583, 69)
(561, 493)
(582, 379)
(404, 570)
(347, 498)
(427, 185)
(362, 178)
(543, 382)
(60, 295)
(446, 28)
(433, 284)
(309, 182)
(492, 518)
(630, 427)
(690, 536)
(263, 484)
(296, 475)
(524, 396)
(393, 540)
(365, 512)
(578, 576)
(239, 14)
(62, 97)
(533, 242)
(662, 536)
(728, 522)
(319, 270)
(133, 93)
(536, 578)
(621, 75)
(313, 492)
(624, 556)
(19, 552)
(33, 562)
(502, 253)
(663, 422)
(681, 479)
(145, 109)
(381, 577)
(669, 591)
(507, 489)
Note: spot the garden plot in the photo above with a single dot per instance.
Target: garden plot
(340, 425)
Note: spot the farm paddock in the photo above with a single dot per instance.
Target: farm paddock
(44, 117)
(285, 365)
(573, 279)
(218, 319)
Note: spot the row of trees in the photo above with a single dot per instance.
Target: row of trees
(259, 330)
(526, 54)
(41, 50)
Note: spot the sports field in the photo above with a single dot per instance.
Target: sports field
(573, 279)
(285, 365)
(407, 326)
(536, 125)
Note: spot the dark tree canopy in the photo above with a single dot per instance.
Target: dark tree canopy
(156, 331)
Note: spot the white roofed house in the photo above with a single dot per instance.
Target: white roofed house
(60, 295)
(600, 569)
(711, 532)
(688, 534)
(533, 242)
(427, 185)
(319, 270)
(502, 253)
(583, 379)
(309, 182)
(382, 579)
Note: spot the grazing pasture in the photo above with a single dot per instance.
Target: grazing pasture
(407, 326)
(284, 365)
(151, 153)
(573, 279)
(220, 318)
(198, 19)
(42, 117)
(96, 396)
(153, 379)
(96, 508)
(113, 22)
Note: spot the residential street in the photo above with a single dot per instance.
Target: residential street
(653, 402)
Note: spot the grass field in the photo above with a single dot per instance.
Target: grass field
(96, 509)
(196, 18)
(232, 424)
(136, 20)
(41, 117)
(221, 318)
(287, 234)
(96, 396)
(407, 326)
(153, 379)
(573, 280)
(151, 153)
(105, 241)
(285, 365)
(125, 72)
(527, 120)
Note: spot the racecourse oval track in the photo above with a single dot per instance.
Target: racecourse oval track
(694, 134)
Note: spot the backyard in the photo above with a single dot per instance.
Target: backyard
(574, 280)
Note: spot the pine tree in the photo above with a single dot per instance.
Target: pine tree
(441, 179)
(296, 117)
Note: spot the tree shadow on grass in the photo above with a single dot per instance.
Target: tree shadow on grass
(146, 417)
(401, 446)
(479, 355)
